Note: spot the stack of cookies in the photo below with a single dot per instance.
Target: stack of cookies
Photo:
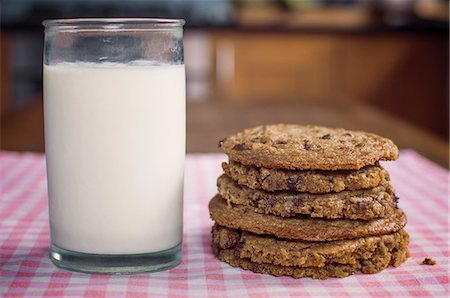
(307, 201)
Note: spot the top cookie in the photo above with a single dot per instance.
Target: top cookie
(295, 147)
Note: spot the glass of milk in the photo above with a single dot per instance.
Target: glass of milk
(114, 106)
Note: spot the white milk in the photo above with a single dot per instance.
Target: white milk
(115, 145)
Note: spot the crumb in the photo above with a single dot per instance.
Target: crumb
(428, 261)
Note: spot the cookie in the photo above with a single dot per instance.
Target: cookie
(353, 204)
(262, 249)
(301, 228)
(295, 147)
(380, 260)
(305, 181)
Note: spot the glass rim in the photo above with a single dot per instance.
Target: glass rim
(113, 24)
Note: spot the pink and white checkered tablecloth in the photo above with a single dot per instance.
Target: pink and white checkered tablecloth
(25, 269)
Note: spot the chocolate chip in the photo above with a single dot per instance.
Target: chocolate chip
(363, 204)
(291, 185)
(347, 134)
(221, 142)
(326, 137)
(229, 239)
(307, 145)
(230, 242)
(237, 250)
(281, 142)
(254, 200)
(396, 199)
(298, 203)
(239, 147)
(290, 213)
(270, 202)
(361, 208)
(264, 140)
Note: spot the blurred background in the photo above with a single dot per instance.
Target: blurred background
(380, 65)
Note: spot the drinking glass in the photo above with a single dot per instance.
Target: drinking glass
(114, 110)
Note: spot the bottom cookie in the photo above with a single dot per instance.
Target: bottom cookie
(302, 259)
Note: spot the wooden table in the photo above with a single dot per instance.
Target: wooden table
(210, 121)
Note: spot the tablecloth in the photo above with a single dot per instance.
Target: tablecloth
(25, 269)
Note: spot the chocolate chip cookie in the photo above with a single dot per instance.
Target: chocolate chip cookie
(355, 204)
(370, 254)
(314, 181)
(295, 147)
(301, 228)
(380, 259)
(307, 201)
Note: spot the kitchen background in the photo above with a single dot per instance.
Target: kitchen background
(375, 65)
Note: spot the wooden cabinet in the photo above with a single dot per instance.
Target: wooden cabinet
(282, 67)
(5, 75)
(405, 73)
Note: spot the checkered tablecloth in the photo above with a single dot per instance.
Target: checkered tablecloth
(25, 269)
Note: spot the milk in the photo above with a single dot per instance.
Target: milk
(115, 146)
